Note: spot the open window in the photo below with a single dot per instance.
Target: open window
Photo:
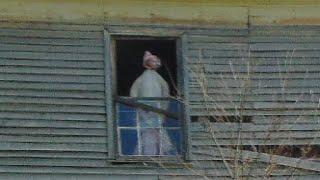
(146, 127)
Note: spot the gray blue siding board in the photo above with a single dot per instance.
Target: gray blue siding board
(54, 131)
(52, 86)
(49, 33)
(51, 55)
(98, 139)
(53, 63)
(53, 116)
(51, 101)
(52, 147)
(50, 48)
(51, 41)
(48, 94)
(20, 77)
(50, 123)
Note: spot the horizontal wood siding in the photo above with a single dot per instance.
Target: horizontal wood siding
(276, 81)
(214, 59)
(52, 100)
(294, 82)
(52, 109)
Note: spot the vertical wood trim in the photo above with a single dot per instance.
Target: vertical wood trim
(109, 95)
(182, 60)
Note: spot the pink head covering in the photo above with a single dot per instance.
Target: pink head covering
(148, 56)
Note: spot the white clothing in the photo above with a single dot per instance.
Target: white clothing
(149, 84)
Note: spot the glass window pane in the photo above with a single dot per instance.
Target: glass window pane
(129, 141)
(150, 142)
(170, 122)
(149, 119)
(171, 140)
(159, 134)
(174, 106)
(125, 108)
(127, 119)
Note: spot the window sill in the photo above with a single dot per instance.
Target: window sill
(152, 161)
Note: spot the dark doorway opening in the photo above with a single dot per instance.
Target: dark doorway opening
(129, 58)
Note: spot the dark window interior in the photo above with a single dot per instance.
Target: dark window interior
(226, 119)
(295, 151)
(129, 58)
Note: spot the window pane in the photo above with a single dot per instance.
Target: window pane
(170, 122)
(124, 108)
(149, 119)
(171, 140)
(147, 133)
(126, 116)
(150, 141)
(127, 119)
(129, 141)
(174, 106)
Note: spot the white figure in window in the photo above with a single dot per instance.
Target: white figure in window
(151, 84)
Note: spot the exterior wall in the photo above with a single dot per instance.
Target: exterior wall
(52, 101)
(217, 12)
(52, 98)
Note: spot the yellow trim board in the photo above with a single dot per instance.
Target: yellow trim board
(199, 12)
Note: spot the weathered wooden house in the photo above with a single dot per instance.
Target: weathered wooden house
(245, 75)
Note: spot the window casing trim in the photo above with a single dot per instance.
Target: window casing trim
(110, 34)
